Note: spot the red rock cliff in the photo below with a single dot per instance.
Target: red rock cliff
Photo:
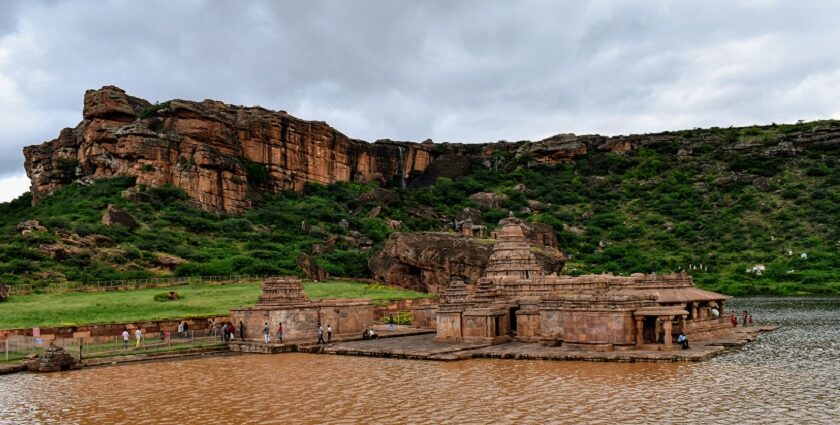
(222, 155)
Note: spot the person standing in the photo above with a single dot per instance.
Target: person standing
(223, 332)
(390, 323)
(329, 334)
(181, 330)
(186, 329)
(744, 318)
(125, 338)
(266, 333)
(241, 331)
(733, 319)
(320, 334)
(280, 332)
(138, 335)
(751, 320)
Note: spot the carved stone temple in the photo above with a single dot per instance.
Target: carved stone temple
(283, 301)
(516, 300)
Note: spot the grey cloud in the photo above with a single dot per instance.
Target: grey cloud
(467, 71)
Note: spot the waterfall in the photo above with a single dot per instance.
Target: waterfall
(401, 169)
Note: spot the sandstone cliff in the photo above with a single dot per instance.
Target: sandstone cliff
(225, 157)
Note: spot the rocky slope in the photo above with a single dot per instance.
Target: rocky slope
(226, 157)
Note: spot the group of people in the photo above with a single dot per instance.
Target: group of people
(138, 336)
(746, 319)
(267, 333)
(321, 334)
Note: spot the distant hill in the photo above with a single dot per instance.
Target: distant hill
(713, 202)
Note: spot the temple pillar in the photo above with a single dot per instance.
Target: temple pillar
(667, 325)
(640, 335)
(657, 328)
(682, 324)
(694, 312)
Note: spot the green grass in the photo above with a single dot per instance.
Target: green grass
(80, 308)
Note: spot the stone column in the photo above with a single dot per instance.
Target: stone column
(667, 325)
(682, 323)
(694, 312)
(640, 335)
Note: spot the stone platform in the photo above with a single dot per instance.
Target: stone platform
(311, 346)
(423, 347)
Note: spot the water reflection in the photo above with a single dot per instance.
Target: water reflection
(792, 375)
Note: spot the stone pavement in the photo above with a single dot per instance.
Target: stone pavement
(423, 347)
(312, 346)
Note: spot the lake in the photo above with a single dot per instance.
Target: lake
(791, 375)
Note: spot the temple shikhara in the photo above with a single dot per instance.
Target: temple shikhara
(516, 300)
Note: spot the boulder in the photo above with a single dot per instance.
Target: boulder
(394, 224)
(98, 240)
(537, 205)
(375, 211)
(380, 196)
(488, 199)
(470, 214)
(30, 226)
(310, 268)
(169, 261)
(428, 261)
(114, 215)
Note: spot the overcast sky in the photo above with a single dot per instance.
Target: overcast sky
(472, 71)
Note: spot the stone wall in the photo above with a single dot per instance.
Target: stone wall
(300, 322)
(108, 330)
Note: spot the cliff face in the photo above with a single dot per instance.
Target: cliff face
(223, 156)
(226, 156)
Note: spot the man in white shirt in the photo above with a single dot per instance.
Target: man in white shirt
(125, 338)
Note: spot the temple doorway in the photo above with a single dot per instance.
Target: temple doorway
(512, 315)
(650, 329)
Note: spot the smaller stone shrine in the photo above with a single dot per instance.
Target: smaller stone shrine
(283, 301)
(54, 359)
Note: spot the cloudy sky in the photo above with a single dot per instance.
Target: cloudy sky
(468, 71)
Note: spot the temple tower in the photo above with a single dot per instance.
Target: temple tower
(512, 256)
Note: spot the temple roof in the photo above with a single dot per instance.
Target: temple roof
(676, 295)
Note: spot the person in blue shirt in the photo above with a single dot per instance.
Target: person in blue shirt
(683, 340)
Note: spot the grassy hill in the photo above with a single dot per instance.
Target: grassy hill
(715, 213)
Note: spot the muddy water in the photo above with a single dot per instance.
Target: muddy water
(790, 376)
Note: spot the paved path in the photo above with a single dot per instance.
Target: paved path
(424, 347)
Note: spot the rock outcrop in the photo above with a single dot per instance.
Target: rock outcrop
(222, 155)
(428, 261)
(310, 268)
(115, 216)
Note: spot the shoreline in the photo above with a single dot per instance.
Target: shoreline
(417, 344)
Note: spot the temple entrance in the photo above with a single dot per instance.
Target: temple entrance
(498, 326)
(650, 329)
(512, 315)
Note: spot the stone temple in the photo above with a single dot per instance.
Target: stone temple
(516, 300)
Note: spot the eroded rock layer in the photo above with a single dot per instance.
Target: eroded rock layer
(223, 156)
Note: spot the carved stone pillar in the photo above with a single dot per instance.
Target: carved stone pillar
(640, 335)
(666, 323)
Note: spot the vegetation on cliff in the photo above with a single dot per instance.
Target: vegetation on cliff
(740, 221)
